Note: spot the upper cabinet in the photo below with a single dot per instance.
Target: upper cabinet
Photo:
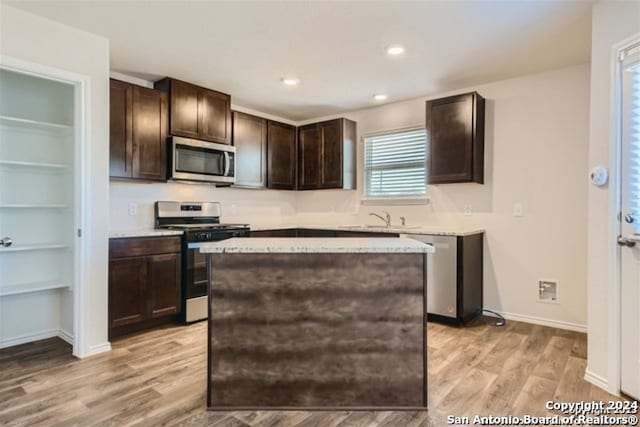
(281, 156)
(327, 155)
(455, 139)
(197, 112)
(250, 140)
(265, 153)
(138, 132)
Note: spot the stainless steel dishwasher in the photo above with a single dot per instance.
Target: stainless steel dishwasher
(454, 277)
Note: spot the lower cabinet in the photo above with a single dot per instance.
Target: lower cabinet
(315, 232)
(144, 283)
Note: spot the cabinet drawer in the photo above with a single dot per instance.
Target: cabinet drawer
(140, 246)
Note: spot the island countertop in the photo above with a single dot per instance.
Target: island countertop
(316, 245)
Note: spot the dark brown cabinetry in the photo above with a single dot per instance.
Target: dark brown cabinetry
(138, 132)
(197, 112)
(326, 155)
(281, 156)
(315, 232)
(455, 139)
(144, 282)
(250, 140)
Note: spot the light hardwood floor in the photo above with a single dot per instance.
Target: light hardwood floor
(158, 378)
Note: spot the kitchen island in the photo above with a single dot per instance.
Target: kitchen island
(325, 323)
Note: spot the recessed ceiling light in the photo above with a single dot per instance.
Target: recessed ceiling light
(394, 49)
(290, 81)
(379, 96)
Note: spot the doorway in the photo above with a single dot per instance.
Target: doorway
(41, 205)
(629, 240)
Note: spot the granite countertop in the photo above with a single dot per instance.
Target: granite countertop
(146, 232)
(424, 230)
(317, 245)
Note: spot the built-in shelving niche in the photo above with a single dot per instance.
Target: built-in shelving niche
(36, 205)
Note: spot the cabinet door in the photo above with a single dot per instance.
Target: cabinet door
(331, 158)
(214, 116)
(127, 291)
(149, 134)
(307, 232)
(309, 157)
(455, 137)
(120, 138)
(250, 140)
(163, 285)
(184, 109)
(281, 156)
(286, 232)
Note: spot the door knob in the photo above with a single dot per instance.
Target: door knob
(623, 241)
(629, 218)
(6, 242)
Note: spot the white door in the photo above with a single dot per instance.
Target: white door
(630, 220)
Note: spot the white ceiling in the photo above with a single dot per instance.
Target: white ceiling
(336, 49)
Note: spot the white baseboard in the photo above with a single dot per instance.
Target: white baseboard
(99, 348)
(544, 322)
(60, 333)
(596, 380)
(65, 336)
(23, 339)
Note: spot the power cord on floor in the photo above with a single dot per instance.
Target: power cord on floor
(500, 322)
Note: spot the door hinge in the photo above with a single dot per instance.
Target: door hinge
(79, 232)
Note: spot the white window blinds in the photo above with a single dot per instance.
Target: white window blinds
(631, 131)
(394, 164)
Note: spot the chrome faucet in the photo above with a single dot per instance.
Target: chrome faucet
(386, 218)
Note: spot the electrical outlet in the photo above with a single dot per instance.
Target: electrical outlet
(234, 208)
(133, 209)
(518, 210)
(467, 210)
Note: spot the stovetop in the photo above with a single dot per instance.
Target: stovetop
(200, 221)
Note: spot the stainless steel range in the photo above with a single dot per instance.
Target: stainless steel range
(200, 222)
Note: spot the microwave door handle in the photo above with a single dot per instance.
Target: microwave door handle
(226, 164)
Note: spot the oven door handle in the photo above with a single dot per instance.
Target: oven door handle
(226, 163)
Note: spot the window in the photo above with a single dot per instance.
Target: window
(394, 165)
(630, 134)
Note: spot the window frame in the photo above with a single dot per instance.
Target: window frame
(418, 199)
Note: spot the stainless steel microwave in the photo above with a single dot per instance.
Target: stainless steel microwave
(195, 160)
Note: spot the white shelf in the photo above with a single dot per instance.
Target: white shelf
(33, 206)
(34, 124)
(23, 248)
(25, 288)
(32, 164)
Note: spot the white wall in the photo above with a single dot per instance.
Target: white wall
(34, 39)
(536, 154)
(238, 205)
(613, 22)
